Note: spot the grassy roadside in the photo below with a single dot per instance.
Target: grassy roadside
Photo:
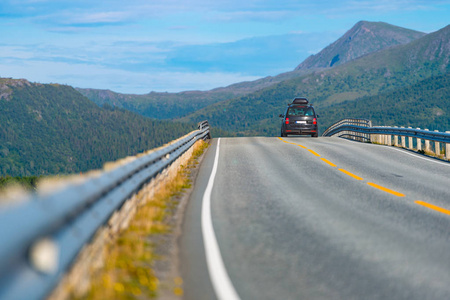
(127, 272)
(28, 183)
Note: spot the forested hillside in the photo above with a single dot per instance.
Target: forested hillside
(53, 129)
(378, 73)
(158, 105)
(425, 105)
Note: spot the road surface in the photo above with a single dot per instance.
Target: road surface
(318, 218)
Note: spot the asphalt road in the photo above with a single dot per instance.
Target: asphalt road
(319, 218)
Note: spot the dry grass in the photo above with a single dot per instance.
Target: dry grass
(127, 273)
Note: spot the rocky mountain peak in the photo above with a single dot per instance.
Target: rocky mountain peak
(363, 38)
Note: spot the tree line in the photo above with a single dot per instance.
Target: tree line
(53, 129)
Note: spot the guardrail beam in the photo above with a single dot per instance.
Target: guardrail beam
(62, 223)
(357, 128)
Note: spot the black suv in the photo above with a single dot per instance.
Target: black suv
(299, 118)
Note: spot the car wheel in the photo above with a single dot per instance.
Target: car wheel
(315, 135)
(283, 134)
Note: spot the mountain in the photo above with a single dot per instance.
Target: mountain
(364, 38)
(52, 129)
(380, 72)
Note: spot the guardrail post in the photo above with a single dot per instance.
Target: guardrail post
(427, 144)
(403, 139)
(369, 136)
(396, 139)
(447, 149)
(389, 140)
(437, 146)
(410, 142)
(419, 143)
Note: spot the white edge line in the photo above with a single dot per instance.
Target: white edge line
(405, 151)
(219, 277)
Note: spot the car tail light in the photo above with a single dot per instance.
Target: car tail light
(287, 120)
(315, 121)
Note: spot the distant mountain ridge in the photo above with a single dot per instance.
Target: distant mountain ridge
(364, 38)
(158, 105)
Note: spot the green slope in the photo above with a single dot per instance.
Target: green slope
(425, 105)
(53, 129)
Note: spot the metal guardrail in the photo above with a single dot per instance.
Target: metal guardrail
(67, 220)
(362, 129)
(365, 126)
(338, 126)
(202, 125)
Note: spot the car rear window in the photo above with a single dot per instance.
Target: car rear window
(300, 111)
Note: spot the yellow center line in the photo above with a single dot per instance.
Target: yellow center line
(370, 183)
(386, 189)
(318, 155)
(350, 174)
(328, 162)
(292, 143)
(434, 207)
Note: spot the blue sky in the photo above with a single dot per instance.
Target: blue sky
(138, 46)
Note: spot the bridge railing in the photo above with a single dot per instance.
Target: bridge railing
(339, 127)
(41, 238)
(431, 142)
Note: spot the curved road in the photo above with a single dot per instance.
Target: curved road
(324, 218)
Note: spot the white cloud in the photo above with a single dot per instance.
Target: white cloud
(100, 17)
(381, 6)
(247, 16)
(14, 52)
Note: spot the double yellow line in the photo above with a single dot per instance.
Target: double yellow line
(379, 187)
